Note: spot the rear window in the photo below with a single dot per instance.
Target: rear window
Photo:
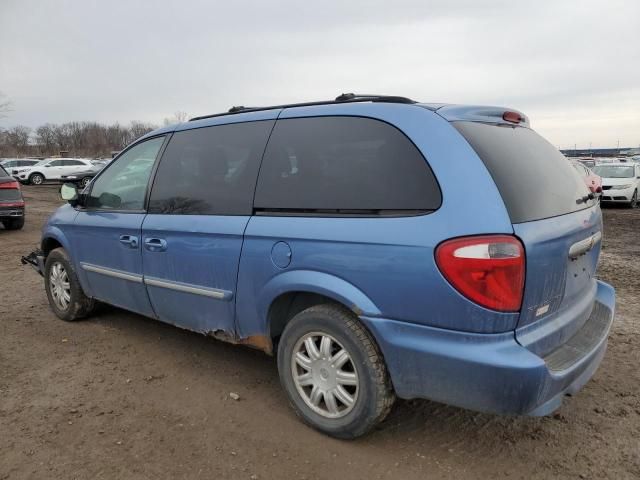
(535, 180)
(344, 165)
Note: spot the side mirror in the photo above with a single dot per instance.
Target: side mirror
(69, 192)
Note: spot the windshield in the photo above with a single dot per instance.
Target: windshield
(614, 171)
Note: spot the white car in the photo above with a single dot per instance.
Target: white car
(51, 169)
(620, 182)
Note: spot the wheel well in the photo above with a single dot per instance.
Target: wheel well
(49, 244)
(288, 305)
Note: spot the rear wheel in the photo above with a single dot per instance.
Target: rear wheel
(84, 182)
(333, 372)
(66, 298)
(36, 179)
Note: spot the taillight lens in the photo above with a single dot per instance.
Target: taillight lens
(489, 270)
(10, 186)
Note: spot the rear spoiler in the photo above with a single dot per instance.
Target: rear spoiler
(484, 114)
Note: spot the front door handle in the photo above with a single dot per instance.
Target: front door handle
(155, 244)
(129, 240)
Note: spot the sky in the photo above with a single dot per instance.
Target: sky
(572, 66)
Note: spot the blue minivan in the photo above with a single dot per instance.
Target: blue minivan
(378, 246)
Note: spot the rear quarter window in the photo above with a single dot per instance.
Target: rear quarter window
(534, 179)
(344, 165)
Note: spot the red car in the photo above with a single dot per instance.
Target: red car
(593, 181)
(11, 202)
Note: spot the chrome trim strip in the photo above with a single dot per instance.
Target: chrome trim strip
(188, 288)
(583, 246)
(110, 272)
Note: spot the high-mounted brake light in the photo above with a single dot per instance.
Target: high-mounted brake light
(513, 117)
(489, 270)
(10, 186)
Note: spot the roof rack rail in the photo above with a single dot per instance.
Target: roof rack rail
(343, 98)
(350, 97)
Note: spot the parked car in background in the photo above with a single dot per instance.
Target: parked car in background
(587, 162)
(339, 236)
(620, 182)
(101, 162)
(82, 179)
(51, 169)
(591, 180)
(11, 202)
(11, 164)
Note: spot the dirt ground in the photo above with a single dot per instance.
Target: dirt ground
(122, 396)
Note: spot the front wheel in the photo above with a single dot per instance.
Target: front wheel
(36, 179)
(333, 372)
(634, 200)
(66, 298)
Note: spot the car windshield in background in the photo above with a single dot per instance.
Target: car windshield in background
(614, 171)
(535, 180)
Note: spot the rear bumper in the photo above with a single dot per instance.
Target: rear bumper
(492, 372)
(11, 212)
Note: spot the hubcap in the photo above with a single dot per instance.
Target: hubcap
(325, 375)
(37, 180)
(59, 286)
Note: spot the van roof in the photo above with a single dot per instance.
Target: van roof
(450, 112)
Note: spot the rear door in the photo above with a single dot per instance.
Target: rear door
(106, 234)
(557, 221)
(200, 203)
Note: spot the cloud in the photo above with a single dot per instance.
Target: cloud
(573, 67)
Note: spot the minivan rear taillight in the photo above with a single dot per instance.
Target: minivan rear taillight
(488, 269)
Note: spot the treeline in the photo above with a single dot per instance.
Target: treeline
(80, 139)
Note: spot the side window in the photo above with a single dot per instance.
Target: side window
(70, 163)
(56, 163)
(344, 165)
(123, 185)
(211, 170)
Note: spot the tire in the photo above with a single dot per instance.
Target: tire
(13, 223)
(78, 304)
(36, 179)
(84, 182)
(634, 200)
(370, 390)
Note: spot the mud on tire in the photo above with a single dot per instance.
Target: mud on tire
(79, 305)
(374, 394)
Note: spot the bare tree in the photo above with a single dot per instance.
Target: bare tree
(87, 139)
(17, 139)
(5, 105)
(178, 117)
